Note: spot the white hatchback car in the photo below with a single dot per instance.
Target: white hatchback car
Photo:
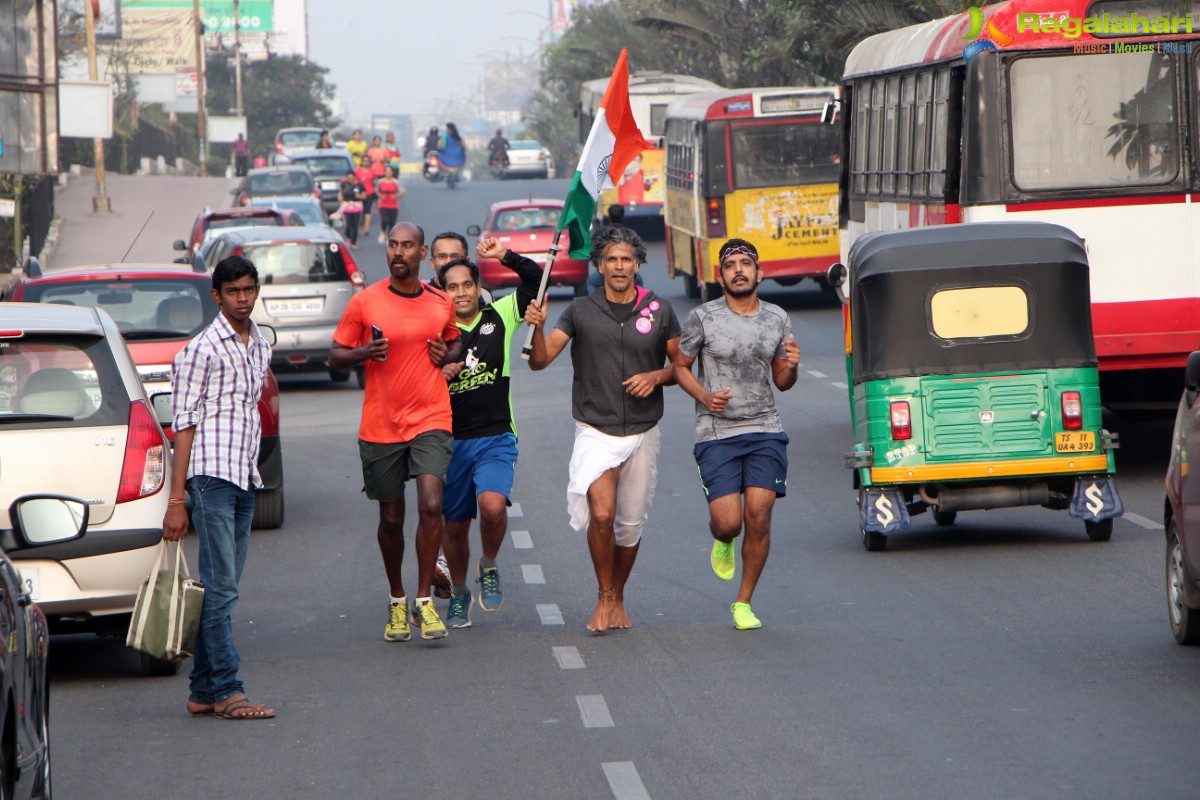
(75, 420)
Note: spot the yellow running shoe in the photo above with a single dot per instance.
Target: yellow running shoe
(743, 617)
(722, 559)
(397, 626)
(427, 618)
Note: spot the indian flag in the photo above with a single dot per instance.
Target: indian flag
(613, 142)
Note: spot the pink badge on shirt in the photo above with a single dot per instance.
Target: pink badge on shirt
(654, 305)
(643, 325)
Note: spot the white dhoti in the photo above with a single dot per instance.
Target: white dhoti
(594, 454)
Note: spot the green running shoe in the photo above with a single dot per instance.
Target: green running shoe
(426, 617)
(743, 617)
(722, 560)
(491, 597)
(458, 613)
(397, 627)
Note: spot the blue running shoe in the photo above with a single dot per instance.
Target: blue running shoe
(490, 595)
(458, 613)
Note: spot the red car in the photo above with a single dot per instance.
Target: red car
(159, 308)
(527, 227)
(209, 221)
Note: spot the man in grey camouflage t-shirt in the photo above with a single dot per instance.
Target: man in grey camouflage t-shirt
(739, 345)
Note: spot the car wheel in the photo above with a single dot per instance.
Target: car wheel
(156, 667)
(874, 541)
(944, 518)
(1185, 620)
(1099, 531)
(268, 509)
(339, 375)
(360, 375)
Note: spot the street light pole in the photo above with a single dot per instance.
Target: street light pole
(203, 166)
(100, 201)
(237, 54)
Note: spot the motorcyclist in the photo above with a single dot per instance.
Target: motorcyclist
(431, 144)
(453, 152)
(498, 148)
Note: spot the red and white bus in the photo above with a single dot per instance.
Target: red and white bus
(1080, 113)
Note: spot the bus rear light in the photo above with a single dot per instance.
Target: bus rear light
(1072, 411)
(144, 469)
(716, 217)
(901, 421)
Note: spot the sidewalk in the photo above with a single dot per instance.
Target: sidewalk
(166, 205)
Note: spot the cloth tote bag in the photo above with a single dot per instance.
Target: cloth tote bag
(166, 617)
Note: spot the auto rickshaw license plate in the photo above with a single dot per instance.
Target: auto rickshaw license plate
(1075, 442)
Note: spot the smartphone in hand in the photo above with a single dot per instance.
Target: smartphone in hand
(377, 333)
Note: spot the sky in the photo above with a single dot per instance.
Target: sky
(401, 56)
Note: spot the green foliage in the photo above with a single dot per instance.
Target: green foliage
(278, 92)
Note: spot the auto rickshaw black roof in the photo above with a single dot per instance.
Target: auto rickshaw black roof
(893, 276)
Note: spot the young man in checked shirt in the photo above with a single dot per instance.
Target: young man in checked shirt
(216, 385)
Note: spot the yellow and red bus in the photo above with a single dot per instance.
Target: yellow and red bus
(1082, 113)
(640, 189)
(758, 164)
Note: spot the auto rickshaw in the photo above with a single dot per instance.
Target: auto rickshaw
(973, 376)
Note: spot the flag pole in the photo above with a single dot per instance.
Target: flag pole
(541, 295)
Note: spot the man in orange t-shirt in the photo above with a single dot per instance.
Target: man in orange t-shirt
(406, 420)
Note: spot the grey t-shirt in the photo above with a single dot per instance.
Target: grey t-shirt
(736, 351)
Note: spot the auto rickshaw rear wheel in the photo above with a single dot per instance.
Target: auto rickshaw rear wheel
(874, 541)
(1099, 531)
(944, 518)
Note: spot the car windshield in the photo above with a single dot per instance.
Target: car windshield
(325, 166)
(290, 182)
(308, 212)
(524, 144)
(527, 219)
(298, 262)
(143, 308)
(50, 380)
(300, 138)
(243, 221)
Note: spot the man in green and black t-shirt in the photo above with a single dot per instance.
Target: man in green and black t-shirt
(480, 476)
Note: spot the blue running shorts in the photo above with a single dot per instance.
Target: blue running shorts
(478, 465)
(728, 466)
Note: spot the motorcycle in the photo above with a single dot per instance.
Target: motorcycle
(498, 164)
(435, 170)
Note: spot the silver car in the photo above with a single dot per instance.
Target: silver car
(308, 277)
(528, 159)
(75, 420)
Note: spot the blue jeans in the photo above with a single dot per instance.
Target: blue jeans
(221, 514)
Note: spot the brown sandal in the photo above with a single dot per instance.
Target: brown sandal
(244, 708)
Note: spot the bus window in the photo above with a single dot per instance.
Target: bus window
(1098, 122)
(921, 134)
(941, 133)
(783, 155)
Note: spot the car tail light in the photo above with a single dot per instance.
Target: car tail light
(356, 277)
(716, 216)
(144, 469)
(279, 147)
(244, 199)
(901, 421)
(1072, 411)
(541, 156)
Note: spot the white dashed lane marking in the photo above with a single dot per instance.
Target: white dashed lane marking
(521, 540)
(816, 374)
(515, 510)
(594, 711)
(568, 658)
(533, 573)
(624, 780)
(1138, 519)
(549, 614)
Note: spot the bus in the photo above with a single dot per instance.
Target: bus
(754, 163)
(640, 189)
(1063, 117)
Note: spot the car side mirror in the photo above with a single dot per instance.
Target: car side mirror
(48, 519)
(180, 260)
(1191, 377)
(829, 111)
(180, 244)
(268, 334)
(474, 230)
(161, 403)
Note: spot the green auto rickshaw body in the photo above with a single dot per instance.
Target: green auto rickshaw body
(976, 339)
